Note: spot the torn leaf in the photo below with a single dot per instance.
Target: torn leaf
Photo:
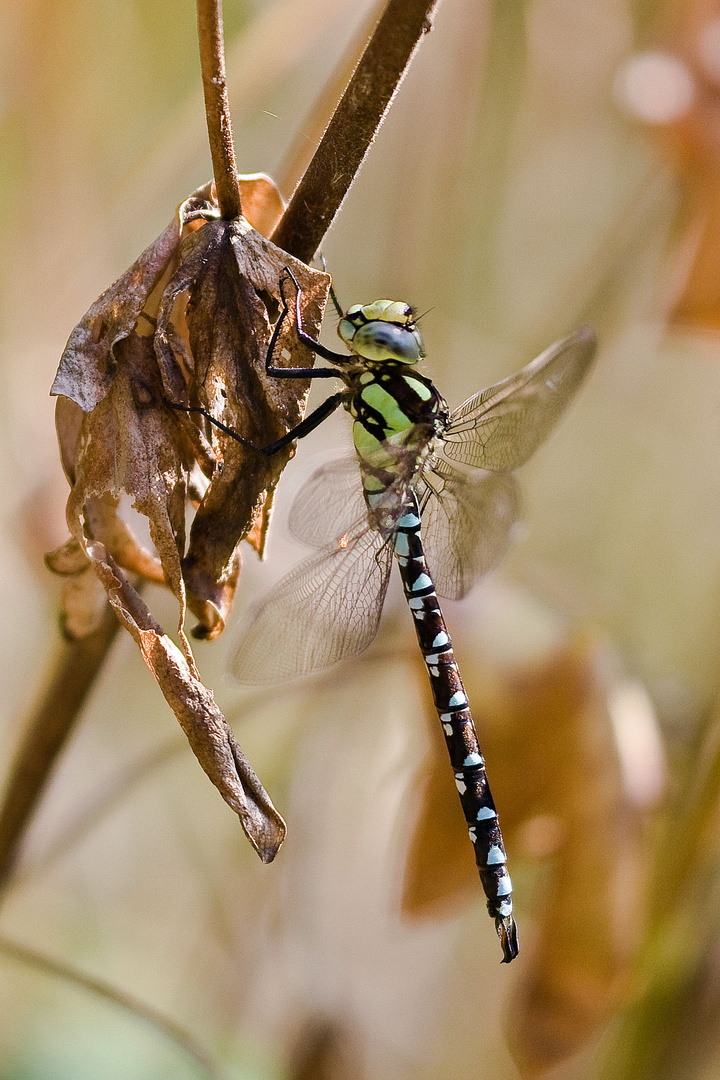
(188, 324)
(207, 731)
(229, 270)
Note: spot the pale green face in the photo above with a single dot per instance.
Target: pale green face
(383, 330)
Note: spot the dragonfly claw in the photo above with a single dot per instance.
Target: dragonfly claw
(507, 932)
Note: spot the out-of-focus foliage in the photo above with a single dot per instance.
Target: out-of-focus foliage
(515, 191)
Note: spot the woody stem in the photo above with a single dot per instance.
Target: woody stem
(217, 110)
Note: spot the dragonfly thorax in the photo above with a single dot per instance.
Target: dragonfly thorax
(398, 415)
(381, 331)
(393, 404)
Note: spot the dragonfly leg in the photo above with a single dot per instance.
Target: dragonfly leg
(315, 418)
(317, 348)
(303, 428)
(333, 295)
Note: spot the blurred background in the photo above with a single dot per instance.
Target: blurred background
(546, 162)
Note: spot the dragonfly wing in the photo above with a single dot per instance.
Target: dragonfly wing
(466, 525)
(328, 608)
(501, 427)
(329, 503)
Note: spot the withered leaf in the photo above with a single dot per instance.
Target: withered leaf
(103, 520)
(129, 443)
(229, 331)
(688, 136)
(207, 731)
(572, 806)
(88, 365)
(262, 202)
(187, 325)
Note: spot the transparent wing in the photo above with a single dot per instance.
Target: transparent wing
(326, 609)
(466, 524)
(501, 427)
(329, 503)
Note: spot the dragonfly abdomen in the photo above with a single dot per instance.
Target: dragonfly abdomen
(453, 709)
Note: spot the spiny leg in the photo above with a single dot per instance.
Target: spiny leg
(303, 428)
(310, 342)
(309, 423)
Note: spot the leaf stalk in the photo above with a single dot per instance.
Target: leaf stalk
(217, 109)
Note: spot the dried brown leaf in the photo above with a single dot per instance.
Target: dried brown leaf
(262, 203)
(89, 364)
(103, 520)
(68, 421)
(189, 324)
(689, 138)
(207, 731)
(440, 874)
(571, 802)
(227, 269)
(257, 537)
(128, 443)
(114, 433)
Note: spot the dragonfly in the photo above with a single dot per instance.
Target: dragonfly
(428, 488)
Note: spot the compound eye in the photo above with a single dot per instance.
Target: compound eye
(379, 340)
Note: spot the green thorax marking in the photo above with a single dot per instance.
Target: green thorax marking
(393, 418)
(397, 407)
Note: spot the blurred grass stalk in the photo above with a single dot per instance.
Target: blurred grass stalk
(668, 1030)
(46, 733)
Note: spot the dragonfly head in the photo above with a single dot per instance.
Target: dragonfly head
(384, 330)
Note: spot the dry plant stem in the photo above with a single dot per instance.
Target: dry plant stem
(307, 138)
(353, 126)
(168, 1027)
(46, 734)
(217, 110)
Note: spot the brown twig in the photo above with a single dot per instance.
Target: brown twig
(217, 110)
(353, 127)
(46, 734)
